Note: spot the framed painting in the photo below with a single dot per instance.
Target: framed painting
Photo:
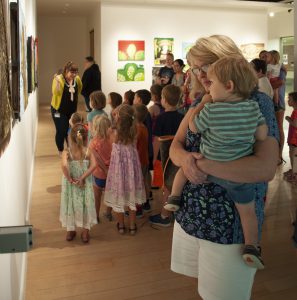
(162, 46)
(130, 72)
(31, 64)
(23, 62)
(131, 51)
(15, 53)
(36, 61)
(5, 96)
(186, 46)
(252, 50)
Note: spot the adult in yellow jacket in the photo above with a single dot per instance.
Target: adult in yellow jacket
(65, 89)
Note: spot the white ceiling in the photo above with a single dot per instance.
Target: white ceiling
(85, 7)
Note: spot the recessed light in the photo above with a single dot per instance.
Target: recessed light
(271, 14)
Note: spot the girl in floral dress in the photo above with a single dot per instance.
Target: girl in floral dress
(77, 197)
(124, 183)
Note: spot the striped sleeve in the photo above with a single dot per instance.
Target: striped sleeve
(202, 120)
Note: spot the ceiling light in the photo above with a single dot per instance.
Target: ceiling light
(271, 14)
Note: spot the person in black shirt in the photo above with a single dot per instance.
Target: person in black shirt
(91, 80)
(166, 73)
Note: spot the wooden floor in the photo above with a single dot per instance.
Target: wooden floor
(124, 267)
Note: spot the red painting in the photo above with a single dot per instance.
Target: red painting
(131, 50)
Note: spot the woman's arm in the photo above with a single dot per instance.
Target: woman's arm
(182, 158)
(259, 167)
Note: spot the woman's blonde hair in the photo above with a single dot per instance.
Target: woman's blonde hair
(101, 124)
(209, 50)
(126, 124)
(275, 56)
(70, 67)
(237, 70)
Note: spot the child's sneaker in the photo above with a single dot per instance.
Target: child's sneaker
(146, 206)
(252, 257)
(158, 220)
(150, 198)
(139, 213)
(172, 203)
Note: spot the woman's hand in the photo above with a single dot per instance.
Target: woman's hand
(191, 168)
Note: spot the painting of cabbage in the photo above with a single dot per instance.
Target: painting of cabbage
(130, 72)
(131, 51)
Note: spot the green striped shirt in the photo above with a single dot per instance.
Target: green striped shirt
(228, 129)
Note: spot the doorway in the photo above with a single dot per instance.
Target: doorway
(92, 48)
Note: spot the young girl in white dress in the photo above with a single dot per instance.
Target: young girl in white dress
(77, 197)
(124, 183)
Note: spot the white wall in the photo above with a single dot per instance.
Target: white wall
(133, 22)
(16, 171)
(60, 39)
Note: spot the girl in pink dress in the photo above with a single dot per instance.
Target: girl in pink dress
(292, 137)
(124, 183)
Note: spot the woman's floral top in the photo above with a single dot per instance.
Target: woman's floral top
(206, 212)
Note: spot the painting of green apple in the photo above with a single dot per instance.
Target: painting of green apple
(131, 51)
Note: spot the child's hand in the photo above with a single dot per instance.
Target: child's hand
(80, 183)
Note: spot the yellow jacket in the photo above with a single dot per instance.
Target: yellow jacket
(58, 88)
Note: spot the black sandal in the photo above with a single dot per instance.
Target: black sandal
(121, 229)
(132, 231)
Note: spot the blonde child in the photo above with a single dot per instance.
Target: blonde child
(101, 147)
(77, 198)
(229, 126)
(124, 183)
(76, 118)
(292, 137)
(97, 104)
(273, 72)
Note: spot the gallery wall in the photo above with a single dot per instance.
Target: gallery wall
(61, 39)
(119, 22)
(16, 171)
(94, 23)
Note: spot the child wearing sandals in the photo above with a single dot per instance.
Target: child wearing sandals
(292, 137)
(77, 197)
(229, 126)
(101, 148)
(124, 183)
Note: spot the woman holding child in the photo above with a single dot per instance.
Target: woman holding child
(208, 237)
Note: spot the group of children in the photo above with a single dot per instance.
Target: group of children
(120, 152)
(113, 154)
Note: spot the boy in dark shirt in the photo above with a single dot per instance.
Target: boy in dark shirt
(166, 125)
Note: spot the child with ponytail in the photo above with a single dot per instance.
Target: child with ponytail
(77, 197)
